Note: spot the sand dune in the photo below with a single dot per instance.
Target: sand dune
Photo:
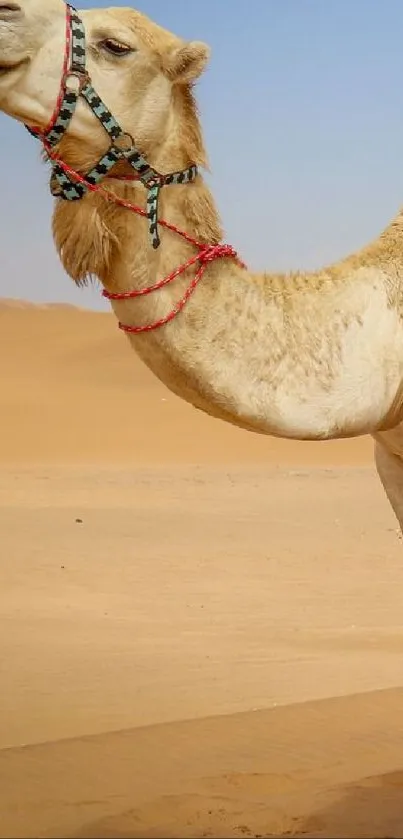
(72, 390)
(323, 769)
(200, 629)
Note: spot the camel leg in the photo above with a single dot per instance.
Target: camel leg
(389, 465)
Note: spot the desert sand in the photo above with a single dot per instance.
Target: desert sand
(200, 629)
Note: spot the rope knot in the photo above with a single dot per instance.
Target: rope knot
(212, 252)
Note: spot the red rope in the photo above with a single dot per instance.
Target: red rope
(43, 132)
(206, 253)
(115, 199)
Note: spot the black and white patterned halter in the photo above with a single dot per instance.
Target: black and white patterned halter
(76, 82)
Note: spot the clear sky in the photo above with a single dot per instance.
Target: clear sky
(312, 88)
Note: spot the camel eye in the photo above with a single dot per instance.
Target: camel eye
(115, 47)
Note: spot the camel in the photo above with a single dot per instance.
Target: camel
(309, 356)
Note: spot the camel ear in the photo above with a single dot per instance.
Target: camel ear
(185, 64)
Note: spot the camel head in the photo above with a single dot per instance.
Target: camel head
(142, 73)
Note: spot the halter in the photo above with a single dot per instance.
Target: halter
(69, 185)
(76, 82)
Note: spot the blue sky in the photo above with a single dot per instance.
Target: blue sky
(312, 88)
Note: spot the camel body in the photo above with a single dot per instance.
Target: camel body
(306, 356)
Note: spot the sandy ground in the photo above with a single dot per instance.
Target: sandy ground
(200, 629)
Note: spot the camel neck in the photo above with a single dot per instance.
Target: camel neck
(273, 354)
(136, 266)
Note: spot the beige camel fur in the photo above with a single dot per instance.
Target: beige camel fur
(307, 356)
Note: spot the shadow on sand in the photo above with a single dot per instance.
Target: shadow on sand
(371, 809)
